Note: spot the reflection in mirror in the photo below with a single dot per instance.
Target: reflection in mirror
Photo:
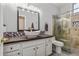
(21, 22)
(27, 20)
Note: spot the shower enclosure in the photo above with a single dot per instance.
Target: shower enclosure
(66, 29)
(62, 26)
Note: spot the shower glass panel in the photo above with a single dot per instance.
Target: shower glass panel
(75, 29)
(66, 29)
(65, 21)
(62, 31)
(75, 33)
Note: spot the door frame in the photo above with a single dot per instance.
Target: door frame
(1, 31)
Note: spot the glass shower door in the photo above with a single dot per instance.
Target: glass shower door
(65, 31)
(62, 28)
(75, 33)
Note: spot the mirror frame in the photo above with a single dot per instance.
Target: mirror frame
(30, 11)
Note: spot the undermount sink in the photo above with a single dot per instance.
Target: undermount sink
(31, 34)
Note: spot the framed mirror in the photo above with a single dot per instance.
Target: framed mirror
(27, 19)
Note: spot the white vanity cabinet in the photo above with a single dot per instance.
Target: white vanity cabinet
(30, 51)
(34, 48)
(12, 50)
(13, 53)
(39, 47)
(37, 50)
(40, 50)
(48, 44)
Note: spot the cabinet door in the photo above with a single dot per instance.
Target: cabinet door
(40, 50)
(1, 30)
(10, 17)
(48, 48)
(29, 51)
(14, 53)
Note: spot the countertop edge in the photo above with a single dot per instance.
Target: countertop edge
(28, 39)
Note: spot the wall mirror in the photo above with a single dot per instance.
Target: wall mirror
(27, 19)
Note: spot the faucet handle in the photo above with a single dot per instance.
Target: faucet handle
(2, 39)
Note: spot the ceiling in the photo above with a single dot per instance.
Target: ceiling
(61, 4)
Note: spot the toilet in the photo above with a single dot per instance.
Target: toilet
(58, 45)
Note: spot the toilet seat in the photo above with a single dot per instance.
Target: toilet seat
(58, 43)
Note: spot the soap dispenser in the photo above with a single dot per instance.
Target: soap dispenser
(46, 27)
(32, 26)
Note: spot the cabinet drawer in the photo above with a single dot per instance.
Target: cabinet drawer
(32, 43)
(30, 51)
(48, 48)
(40, 50)
(48, 40)
(11, 47)
(14, 53)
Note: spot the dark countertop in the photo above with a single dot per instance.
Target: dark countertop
(24, 38)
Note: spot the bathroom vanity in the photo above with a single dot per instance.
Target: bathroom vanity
(21, 46)
(18, 19)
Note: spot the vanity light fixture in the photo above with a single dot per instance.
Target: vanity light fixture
(31, 7)
(23, 9)
(32, 12)
(28, 11)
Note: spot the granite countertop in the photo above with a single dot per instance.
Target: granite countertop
(25, 38)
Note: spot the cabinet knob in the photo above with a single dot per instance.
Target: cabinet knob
(4, 25)
(37, 47)
(18, 53)
(46, 44)
(49, 40)
(33, 48)
(11, 48)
